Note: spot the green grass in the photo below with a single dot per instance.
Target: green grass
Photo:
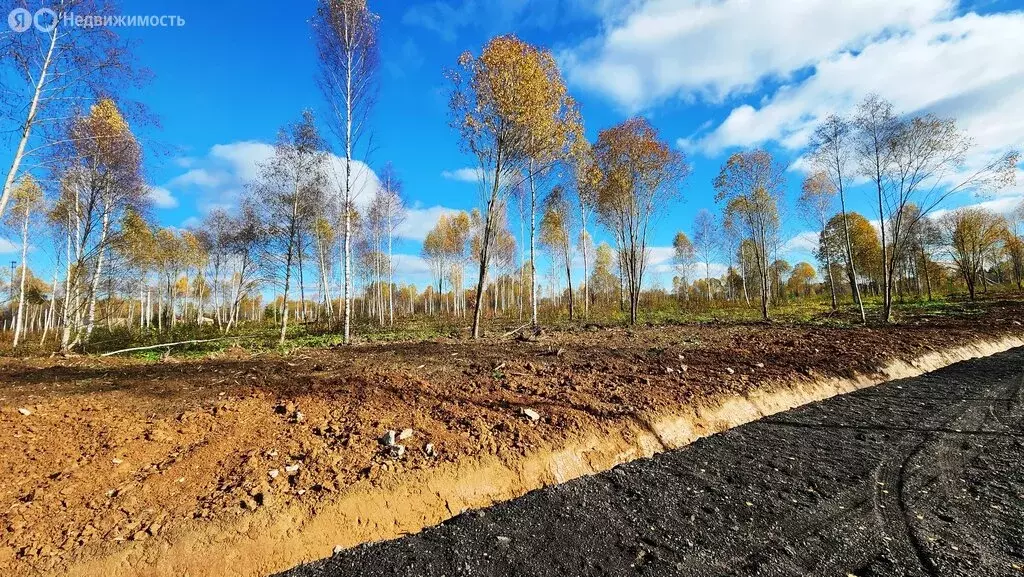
(256, 338)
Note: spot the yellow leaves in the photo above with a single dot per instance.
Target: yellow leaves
(106, 127)
(107, 149)
(448, 237)
(27, 198)
(803, 273)
(515, 100)
(632, 162)
(106, 119)
(818, 184)
(27, 195)
(324, 231)
(553, 233)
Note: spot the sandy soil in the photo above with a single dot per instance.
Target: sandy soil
(916, 477)
(115, 452)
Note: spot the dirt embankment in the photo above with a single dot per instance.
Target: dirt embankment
(241, 465)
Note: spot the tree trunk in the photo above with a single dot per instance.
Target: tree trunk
(301, 279)
(852, 269)
(568, 276)
(831, 277)
(99, 267)
(707, 280)
(533, 247)
(391, 272)
(484, 251)
(19, 323)
(586, 278)
(30, 120)
(50, 316)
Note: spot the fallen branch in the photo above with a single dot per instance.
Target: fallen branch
(168, 345)
(514, 331)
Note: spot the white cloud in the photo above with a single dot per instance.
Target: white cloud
(661, 260)
(411, 267)
(970, 67)
(8, 247)
(162, 198)
(418, 222)
(673, 48)
(364, 180)
(805, 243)
(218, 179)
(200, 177)
(462, 174)
(243, 157)
(1003, 205)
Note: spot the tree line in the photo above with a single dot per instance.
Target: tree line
(77, 173)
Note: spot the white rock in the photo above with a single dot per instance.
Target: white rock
(24, 411)
(397, 451)
(273, 473)
(337, 549)
(389, 438)
(534, 416)
(504, 540)
(299, 417)
(429, 450)
(759, 365)
(405, 434)
(729, 370)
(116, 461)
(291, 468)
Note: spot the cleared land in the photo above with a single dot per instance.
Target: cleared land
(121, 460)
(916, 477)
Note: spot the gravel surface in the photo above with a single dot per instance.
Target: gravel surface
(921, 476)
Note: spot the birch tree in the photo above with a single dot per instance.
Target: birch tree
(970, 234)
(389, 204)
(587, 178)
(346, 32)
(247, 239)
(706, 234)
(288, 189)
(640, 177)
(817, 195)
(751, 184)
(510, 108)
(920, 160)
(100, 180)
(555, 235)
(28, 202)
(832, 148)
(683, 255)
(52, 73)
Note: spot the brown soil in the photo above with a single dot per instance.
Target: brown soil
(125, 459)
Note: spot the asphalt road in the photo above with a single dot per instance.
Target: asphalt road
(918, 477)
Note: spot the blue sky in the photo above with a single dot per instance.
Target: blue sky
(712, 76)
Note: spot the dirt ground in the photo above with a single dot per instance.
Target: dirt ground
(120, 450)
(917, 477)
